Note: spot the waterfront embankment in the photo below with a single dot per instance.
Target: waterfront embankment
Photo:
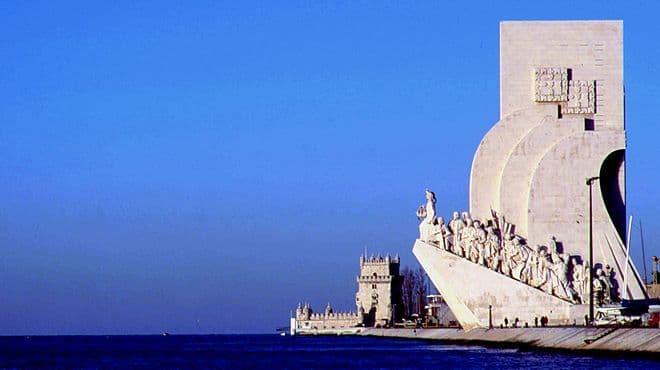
(335, 331)
(633, 340)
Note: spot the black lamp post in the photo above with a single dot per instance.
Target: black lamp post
(590, 182)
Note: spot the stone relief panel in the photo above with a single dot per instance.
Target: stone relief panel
(581, 98)
(551, 84)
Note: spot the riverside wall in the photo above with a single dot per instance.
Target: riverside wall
(329, 331)
(629, 340)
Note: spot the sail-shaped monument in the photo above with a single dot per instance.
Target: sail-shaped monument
(545, 233)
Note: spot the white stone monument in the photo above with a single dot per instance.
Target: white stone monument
(561, 123)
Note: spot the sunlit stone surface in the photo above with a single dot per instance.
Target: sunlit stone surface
(561, 122)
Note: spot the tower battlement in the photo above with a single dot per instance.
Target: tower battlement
(378, 266)
(379, 260)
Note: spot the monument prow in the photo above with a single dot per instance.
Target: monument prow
(493, 298)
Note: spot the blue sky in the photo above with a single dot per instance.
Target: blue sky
(200, 167)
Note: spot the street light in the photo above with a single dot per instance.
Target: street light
(590, 182)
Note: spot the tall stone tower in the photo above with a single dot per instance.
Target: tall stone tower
(379, 290)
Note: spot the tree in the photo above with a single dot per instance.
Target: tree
(421, 290)
(414, 290)
(407, 290)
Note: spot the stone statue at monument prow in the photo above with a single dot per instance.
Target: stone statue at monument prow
(428, 219)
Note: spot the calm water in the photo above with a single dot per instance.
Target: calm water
(271, 351)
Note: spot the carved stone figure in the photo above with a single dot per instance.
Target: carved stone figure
(428, 217)
(528, 274)
(492, 249)
(553, 246)
(512, 257)
(444, 235)
(469, 239)
(560, 280)
(599, 289)
(480, 242)
(578, 281)
(467, 235)
(507, 253)
(521, 257)
(456, 225)
(439, 232)
(534, 265)
(606, 286)
(517, 255)
(609, 273)
(545, 269)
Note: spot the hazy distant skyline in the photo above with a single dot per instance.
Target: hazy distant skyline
(201, 168)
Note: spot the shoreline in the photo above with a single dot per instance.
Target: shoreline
(631, 341)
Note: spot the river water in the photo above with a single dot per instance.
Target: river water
(272, 351)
